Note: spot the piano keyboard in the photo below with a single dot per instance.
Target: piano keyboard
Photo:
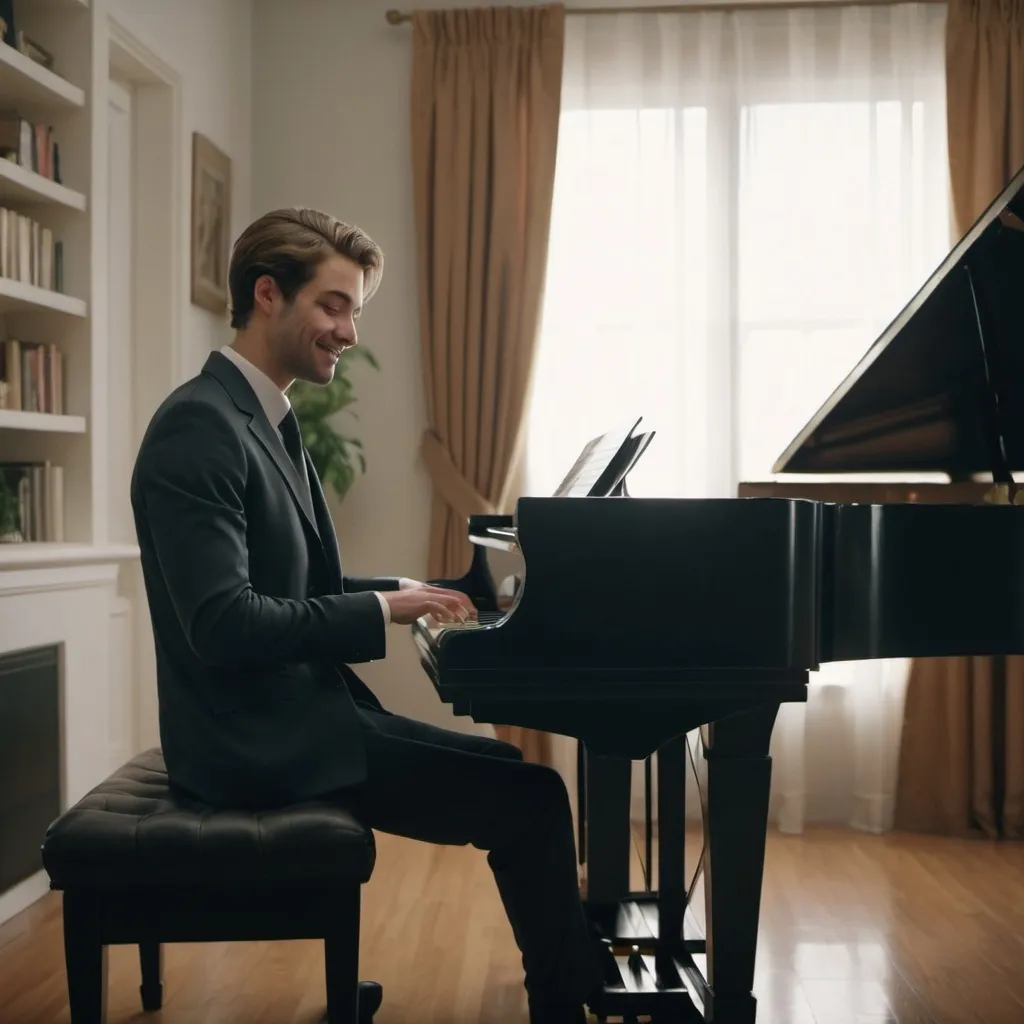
(435, 628)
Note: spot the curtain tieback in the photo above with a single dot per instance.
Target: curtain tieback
(456, 490)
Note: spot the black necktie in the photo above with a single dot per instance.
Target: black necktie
(292, 437)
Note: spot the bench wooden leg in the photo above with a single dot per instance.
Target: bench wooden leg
(151, 959)
(85, 958)
(341, 957)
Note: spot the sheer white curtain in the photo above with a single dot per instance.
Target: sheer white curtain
(743, 200)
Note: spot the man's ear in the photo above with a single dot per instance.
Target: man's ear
(266, 294)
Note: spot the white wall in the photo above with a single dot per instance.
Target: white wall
(331, 130)
(209, 44)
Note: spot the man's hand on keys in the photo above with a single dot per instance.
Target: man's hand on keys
(443, 605)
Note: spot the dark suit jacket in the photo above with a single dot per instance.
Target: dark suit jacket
(255, 624)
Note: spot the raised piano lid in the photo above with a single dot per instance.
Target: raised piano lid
(919, 400)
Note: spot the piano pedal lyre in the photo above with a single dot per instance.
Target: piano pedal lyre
(633, 951)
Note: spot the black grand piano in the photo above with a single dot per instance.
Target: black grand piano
(678, 627)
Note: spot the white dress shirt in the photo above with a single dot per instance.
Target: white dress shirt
(276, 405)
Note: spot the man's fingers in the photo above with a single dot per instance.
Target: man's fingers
(445, 592)
(458, 609)
(464, 607)
(455, 609)
(442, 612)
(454, 599)
(438, 611)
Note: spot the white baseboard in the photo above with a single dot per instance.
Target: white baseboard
(23, 895)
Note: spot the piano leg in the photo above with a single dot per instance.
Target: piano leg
(641, 931)
(652, 968)
(735, 822)
(607, 836)
(671, 888)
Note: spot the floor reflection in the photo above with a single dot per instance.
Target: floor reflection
(861, 929)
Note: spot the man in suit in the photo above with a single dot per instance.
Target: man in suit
(256, 626)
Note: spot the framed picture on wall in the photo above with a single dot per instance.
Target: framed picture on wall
(211, 224)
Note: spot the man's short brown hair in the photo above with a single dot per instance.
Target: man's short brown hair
(289, 245)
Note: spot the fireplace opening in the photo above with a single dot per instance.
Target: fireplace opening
(30, 758)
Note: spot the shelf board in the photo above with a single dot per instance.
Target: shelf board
(29, 87)
(19, 183)
(16, 297)
(15, 419)
(36, 554)
(66, 6)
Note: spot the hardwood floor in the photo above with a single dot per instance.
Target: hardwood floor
(855, 929)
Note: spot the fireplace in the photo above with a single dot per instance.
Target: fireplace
(30, 757)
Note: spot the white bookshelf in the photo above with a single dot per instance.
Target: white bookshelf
(12, 419)
(67, 6)
(64, 98)
(15, 296)
(75, 581)
(32, 88)
(19, 185)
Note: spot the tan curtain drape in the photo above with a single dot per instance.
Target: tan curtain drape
(961, 768)
(984, 102)
(486, 97)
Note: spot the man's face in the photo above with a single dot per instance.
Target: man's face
(308, 335)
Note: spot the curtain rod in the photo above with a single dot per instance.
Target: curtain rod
(399, 17)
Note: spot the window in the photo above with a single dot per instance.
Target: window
(835, 235)
(732, 226)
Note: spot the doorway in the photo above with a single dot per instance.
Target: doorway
(120, 309)
(145, 296)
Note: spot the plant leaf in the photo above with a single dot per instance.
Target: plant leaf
(334, 454)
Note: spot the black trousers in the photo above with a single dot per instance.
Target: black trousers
(445, 787)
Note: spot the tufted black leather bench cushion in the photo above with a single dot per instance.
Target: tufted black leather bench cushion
(133, 830)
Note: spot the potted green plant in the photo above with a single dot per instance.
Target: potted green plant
(336, 456)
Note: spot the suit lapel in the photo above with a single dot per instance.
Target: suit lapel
(274, 447)
(234, 383)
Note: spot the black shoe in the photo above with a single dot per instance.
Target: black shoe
(371, 994)
(595, 1001)
(557, 1013)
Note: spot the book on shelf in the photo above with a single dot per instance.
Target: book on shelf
(31, 502)
(16, 38)
(29, 253)
(34, 51)
(31, 377)
(8, 27)
(29, 144)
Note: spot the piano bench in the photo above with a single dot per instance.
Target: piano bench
(140, 863)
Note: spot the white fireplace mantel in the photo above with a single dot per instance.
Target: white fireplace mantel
(71, 599)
